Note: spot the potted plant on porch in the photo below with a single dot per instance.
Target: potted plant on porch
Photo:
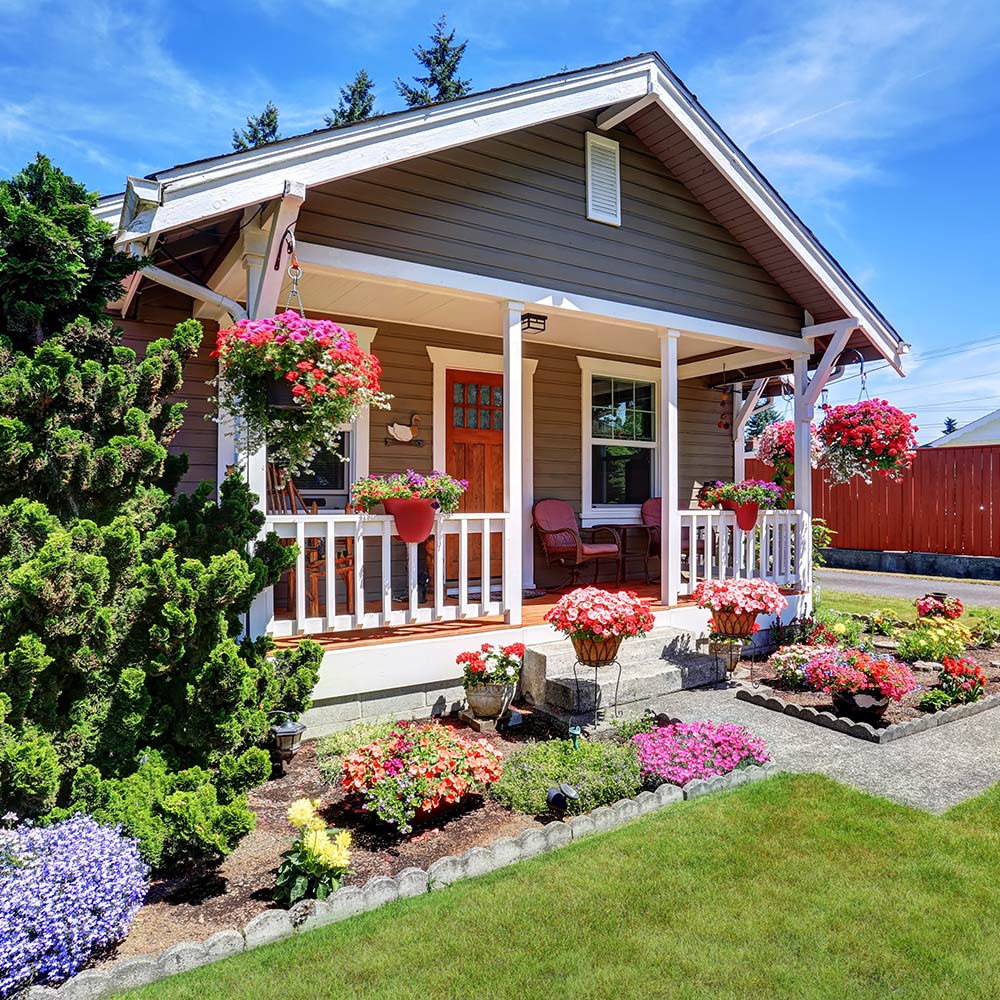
(735, 604)
(489, 676)
(597, 621)
(413, 499)
(744, 498)
(291, 383)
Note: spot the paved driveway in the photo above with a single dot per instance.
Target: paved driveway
(892, 585)
(933, 770)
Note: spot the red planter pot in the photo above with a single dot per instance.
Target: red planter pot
(414, 517)
(746, 513)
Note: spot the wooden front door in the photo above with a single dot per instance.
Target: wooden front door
(474, 449)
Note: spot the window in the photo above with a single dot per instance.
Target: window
(619, 438)
(329, 481)
(603, 180)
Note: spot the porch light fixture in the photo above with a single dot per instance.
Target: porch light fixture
(287, 735)
(533, 323)
(560, 796)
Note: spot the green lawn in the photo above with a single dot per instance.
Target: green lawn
(901, 607)
(795, 887)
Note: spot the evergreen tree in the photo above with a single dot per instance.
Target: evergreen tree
(950, 425)
(126, 687)
(357, 101)
(261, 129)
(442, 82)
(758, 421)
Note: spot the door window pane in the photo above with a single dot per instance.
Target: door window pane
(497, 395)
(473, 394)
(458, 417)
(470, 414)
(498, 420)
(620, 474)
(458, 393)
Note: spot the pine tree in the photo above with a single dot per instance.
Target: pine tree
(261, 129)
(950, 425)
(441, 60)
(357, 101)
(127, 689)
(758, 421)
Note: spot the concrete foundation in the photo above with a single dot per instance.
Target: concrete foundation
(915, 563)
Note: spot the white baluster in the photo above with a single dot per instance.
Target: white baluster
(439, 567)
(386, 537)
(412, 571)
(484, 597)
(463, 568)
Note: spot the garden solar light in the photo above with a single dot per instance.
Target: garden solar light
(287, 735)
(560, 796)
(574, 735)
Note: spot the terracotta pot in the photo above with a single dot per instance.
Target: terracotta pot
(279, 395)
(738, 625)
(414, 517)
(489, 701)
(597, 652)
(863, 706)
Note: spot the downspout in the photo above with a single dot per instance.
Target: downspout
(194, 290)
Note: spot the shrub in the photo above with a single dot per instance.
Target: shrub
(933, 639)
(602, 773)
(986, 631)
(316, 863)
(67, 892)
(935, 700)
(790, 662)
(683, 751)
(416, 769)
(625, 729)
(963, 679)
(331, 750)
(848, 671)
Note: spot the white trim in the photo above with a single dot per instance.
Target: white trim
(465, 283)
(743, 410)
(668, 435)
(513, 462)
(443, 358)
(591, 513)
(732, 363)
(595, 213)
(833, 351)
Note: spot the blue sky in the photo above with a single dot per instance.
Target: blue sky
(879, 121)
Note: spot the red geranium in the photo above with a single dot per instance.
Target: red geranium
(865, 438)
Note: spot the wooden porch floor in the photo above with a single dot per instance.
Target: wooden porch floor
(533, 613)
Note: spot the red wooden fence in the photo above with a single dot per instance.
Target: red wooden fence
(948, 503)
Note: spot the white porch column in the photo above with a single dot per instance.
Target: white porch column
(670, 530)
(513, 457)
(803, 466)
(739, 448)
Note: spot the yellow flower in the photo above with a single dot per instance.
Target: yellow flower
(302, 814)
(840, 628)
(334, 854)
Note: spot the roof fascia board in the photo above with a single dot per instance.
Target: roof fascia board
(728, 159)
(315, 255)
(188, 194)
(961, 432)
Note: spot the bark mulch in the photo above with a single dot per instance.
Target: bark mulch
(898, 711)
(193, 903)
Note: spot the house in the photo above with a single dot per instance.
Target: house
(525, 263)
(981, 432)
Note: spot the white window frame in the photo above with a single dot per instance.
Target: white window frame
(590, 512)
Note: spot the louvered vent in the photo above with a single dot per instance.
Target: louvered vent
(603, 180)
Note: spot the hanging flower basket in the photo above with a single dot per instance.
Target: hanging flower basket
(327, 381)
(865, 439)
(411, 498)
(776, 448)
(744, 498)
(597, 621)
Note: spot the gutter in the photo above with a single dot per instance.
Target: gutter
(194, 290)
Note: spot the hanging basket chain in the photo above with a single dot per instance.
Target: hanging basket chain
(294, 270)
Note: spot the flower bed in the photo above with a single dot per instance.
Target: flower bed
(682, 752)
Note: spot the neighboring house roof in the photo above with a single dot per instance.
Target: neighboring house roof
(642, 93)
(984, 431)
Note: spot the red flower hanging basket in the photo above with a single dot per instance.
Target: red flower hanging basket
(867, 438)
(414, 517)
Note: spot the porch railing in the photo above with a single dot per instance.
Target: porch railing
(778, 548)
(351, 573)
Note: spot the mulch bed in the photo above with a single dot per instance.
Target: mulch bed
(898, 711)
(193, 903)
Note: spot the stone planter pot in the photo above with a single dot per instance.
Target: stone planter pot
(489, 701)
(730, 623)
(729, 652)
(596, 652)
(414, 517)
(863, 706)
(279, 395)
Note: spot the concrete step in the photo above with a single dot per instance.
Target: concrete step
(662, 662)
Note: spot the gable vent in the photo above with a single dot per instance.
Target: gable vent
(603, 180)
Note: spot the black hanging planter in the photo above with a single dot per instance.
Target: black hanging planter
(279, 394)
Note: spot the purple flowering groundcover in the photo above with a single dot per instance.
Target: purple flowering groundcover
(67, 892)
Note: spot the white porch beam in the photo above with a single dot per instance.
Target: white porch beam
(803, 468)
(622, 111)
(730, 362)
(281, 218)
(813, 330)
(670, 528)
(513, 457)
(822, 373)
(742, 412)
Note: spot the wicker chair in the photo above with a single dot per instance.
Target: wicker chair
(651, 513)
(563, 543)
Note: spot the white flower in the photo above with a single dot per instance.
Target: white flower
(510, 671)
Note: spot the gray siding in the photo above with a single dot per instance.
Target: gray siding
(514, 207)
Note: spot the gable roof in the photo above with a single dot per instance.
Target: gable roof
(641, 92)
(957, 436)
